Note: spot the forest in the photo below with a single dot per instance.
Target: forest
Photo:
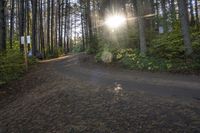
(155, 35)
(152, 46)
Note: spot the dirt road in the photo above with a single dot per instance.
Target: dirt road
(73, 94)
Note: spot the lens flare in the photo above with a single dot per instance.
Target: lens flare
(115, 21)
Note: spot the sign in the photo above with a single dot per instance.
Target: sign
(22, 40)
(161, 30)
(28, 39)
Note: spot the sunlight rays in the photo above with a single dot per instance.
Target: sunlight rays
(115, 21)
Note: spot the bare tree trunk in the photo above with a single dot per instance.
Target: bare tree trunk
(197, 14)
(173, 11)
(52, 26)
(68, 24)
(86, 29)
(48, 25)
(185, 26)
(28, 20)
(41, 29)
(21, 21)
(157, 16)
(140, 11)
(56, 30)
(59, 23)
(2, 25)
(89, 24)
(192, 21)
(12, 22)
(62, 17)
(83, 33)
(65, 25)
(164, 21)
(34, 27)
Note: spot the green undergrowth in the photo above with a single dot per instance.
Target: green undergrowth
(55, 53)
(12, 65)
(77, 48)
(165, 53)
(170, 46)
(132, 59)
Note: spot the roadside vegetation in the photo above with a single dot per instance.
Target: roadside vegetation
(165, 53)
(12, 65)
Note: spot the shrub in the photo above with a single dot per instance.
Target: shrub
(77, 49)
(132, 59)
(167, 46)
(12, 64)
(170, 45)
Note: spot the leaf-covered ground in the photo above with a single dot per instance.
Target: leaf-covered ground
(48, 101)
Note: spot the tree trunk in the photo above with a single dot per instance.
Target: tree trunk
(197, 14)
(185, 26)
(21, 22)
(28, 20)
(192, 21)
(59, 23)
(89, 24)
(62, 17)
(12, 22)
(56, 28)
(140, 11)
(48, 25)
(65, 26)
(2, 25)
(68, 24)
(34, 27)
(173, 11)
(52, 26)
(164, 21)
(157, 16)
(83, 33)
(41, 29)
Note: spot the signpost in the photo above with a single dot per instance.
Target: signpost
(25, 41)
(28, 39)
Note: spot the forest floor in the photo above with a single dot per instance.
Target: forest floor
(73, 94)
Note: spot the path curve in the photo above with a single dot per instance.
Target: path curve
(72, 94)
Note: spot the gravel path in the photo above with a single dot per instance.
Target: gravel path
(67, 95)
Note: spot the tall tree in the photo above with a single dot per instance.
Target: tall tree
(65, 25)
(34, 26)
(41, 29)
(2, 25)
(58, 14)
(12, 22)
(48, 24)
(197, 13)
(173, 11)
(192, 21)
(21, 21)
(164, 20)
(185, 26)
(90, 32)
(140, 12)
(52, 25)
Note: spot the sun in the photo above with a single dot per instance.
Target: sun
(115, 21)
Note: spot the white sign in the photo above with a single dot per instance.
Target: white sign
(22, 40)
(161, 30)
(28, 40)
